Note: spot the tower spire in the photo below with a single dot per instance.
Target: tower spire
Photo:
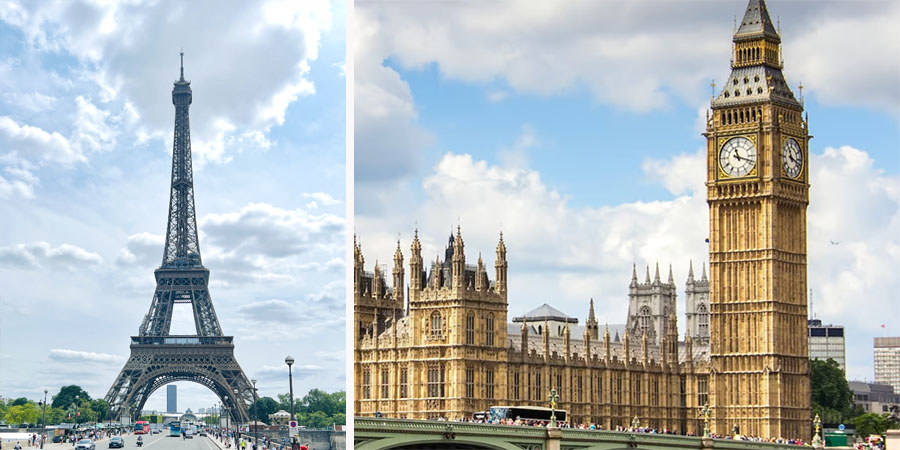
(182, 65)
(691, 271)
(671, 279)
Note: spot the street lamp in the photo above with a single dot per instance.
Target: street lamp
(44, 419)
(553, 398)
(289, 360)
(256, 415)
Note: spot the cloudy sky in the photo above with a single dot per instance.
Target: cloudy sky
(577, 131)
(85, 157)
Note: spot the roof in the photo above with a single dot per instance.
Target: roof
(756, 22)
(545, 312)
(763, 84)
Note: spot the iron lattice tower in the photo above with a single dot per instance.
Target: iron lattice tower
(157, 357)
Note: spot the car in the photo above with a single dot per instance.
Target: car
(188, 433)
(116, 442)
(156, 431)
(85, 444)
(202, 432)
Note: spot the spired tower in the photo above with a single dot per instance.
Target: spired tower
(758, 192)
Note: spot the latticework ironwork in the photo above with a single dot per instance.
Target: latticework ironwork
(158, 358)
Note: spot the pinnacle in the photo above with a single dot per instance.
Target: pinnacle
(671, 279)
(691, 271)
(647, 281)
(656, 277)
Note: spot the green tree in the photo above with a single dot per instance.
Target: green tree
(870, 424)
(100, 407)
(317, 419)
(19, 401)
(263, 407)
(22, 414)
(66, 396)
(55, 416)
(832, 398)
(339, 418)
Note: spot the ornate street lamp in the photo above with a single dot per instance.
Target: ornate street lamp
(635, 423)
(553, 398)
(44, 418)
(705, 411)
(817, 440)
(289, 360)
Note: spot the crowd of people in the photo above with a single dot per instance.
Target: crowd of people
(638, 429)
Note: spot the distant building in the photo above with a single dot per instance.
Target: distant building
(827, 341)
(171, 398)
(874, 397)
(887, 361)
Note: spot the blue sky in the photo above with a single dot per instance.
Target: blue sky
(577, 131)
(85, 159)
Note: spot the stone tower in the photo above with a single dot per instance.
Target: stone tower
(758, 192)
(696, 304)
(649, 304)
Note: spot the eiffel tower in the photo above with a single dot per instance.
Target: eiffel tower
(157, 357)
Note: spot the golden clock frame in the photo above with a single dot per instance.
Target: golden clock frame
(721, 175)
(800, 142)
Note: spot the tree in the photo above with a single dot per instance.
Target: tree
(339, 419)
(66, 396)
(19, 401)
(317, 419)
(100, 407)
(21, 414)
(869, 424)
(263, 407)
(832, 398)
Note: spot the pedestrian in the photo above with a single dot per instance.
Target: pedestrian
(18, 447)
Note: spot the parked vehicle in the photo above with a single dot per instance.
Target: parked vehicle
(85, 444)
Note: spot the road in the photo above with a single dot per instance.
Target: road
(151, 442)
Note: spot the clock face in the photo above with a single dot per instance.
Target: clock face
(792, 158)
(738, 157)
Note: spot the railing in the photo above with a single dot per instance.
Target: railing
(182, 340)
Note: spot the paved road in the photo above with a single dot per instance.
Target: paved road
(165, 442)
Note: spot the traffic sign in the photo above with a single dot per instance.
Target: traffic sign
(294, 428)
(841, 427)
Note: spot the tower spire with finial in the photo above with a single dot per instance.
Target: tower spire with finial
(182, 64)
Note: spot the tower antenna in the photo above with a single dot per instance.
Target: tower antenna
(182, 63)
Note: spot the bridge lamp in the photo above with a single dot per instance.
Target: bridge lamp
(289, 360)
(44, 418)
(255, 414)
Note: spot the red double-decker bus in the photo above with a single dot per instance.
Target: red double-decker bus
(141, 427)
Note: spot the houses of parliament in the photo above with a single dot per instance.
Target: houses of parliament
(450, 350)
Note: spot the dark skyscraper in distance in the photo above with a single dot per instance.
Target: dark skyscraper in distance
(171, 398)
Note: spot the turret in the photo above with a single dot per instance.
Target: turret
(416, 281)
(458, 261)
(647, 280)
(398, 276)
(377, 291)
(591, 325)
(671, 341)
(481, 283)
(690, 278)
(436, 273)
(671, 281)
(524, 331)
(634, 280)
(500, 265)
(566, 341)
(645, 354)
(358, 266)
(546, 337)
(656, 277)
(606, 342)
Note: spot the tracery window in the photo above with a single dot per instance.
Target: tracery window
(515, 384)
(366, 383)
(435, 324)
(385, 387)
(489, 384)
(436, 380)
(404, 382)
(470, 329)
(489, 330)
(702, 390)
(644, 320)
(703, 320)
(470, 383)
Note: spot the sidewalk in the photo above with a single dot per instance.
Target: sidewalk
(10, 444)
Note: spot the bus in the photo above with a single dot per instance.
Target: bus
(141, 427)
(175, 429)
(524, 413)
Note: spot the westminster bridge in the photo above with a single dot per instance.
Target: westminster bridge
(402, 434)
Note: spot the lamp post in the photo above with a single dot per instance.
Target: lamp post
(44, 418)
(553, 398)
(256, 415)
(289, 360)
(705, 411)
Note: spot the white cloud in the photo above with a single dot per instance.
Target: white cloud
(40, 254)
(33, 142)
(321, 198)
(31, 101)
(76, 356)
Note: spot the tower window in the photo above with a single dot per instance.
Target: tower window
(470, 329)
(759, 90)
(749, 91)
(436, 381)
(703, 320)
(385, 387)
(644, 320)
(435, 323)
(489, 384)
(470, 383)
(746, 80)
(734, 81)
(737, 93)
(366, 383)
(489, 330)
(404, 382)
(756, 78)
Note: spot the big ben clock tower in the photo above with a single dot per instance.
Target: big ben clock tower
(758, 192)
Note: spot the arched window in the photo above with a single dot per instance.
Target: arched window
(435, 323)
(703, 320)
(644, 320)
(489, 330)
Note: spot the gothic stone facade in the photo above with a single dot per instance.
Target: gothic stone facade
(453, 353)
